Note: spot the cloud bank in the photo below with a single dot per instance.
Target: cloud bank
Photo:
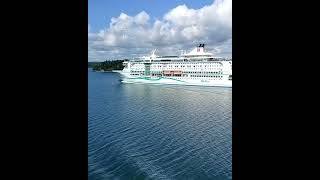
(181, 28)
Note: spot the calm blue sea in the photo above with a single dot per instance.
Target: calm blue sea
(143, 131)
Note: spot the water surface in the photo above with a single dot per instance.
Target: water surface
(144, 131)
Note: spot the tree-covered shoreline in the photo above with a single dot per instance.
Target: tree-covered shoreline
(106, 65)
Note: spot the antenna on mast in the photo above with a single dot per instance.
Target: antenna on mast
(153, 55)
(154, 51)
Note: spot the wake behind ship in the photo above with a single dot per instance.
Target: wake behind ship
(194, 68)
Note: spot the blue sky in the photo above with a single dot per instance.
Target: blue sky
(119, 29)
(101, 11)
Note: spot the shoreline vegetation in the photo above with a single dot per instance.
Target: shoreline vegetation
(106, 66)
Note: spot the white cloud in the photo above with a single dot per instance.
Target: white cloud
(180, 28)
(142, 18)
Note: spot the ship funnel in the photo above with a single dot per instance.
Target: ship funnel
(201, 48)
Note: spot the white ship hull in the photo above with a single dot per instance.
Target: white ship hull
(174, 81)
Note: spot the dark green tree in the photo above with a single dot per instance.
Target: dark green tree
(108, 65)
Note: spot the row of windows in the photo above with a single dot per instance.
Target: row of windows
(193, 77)
(137, 71)
(192, 68)
(159, 66)
(156, 74)
(205, 76)
(187, 72)
(210, 79)
(179, 75)
(195, 70)
(141, 68)
(186, 63)
(176, 75)
(201, 72)
(207, 79)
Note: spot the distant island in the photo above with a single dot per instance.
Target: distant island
(107, 65)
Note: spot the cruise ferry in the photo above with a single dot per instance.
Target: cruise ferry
(197, 67)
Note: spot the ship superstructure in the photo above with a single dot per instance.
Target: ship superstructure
(197, 67)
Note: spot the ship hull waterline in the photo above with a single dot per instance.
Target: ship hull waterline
(145, 80)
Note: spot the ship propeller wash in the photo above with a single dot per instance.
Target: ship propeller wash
(197, 67)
